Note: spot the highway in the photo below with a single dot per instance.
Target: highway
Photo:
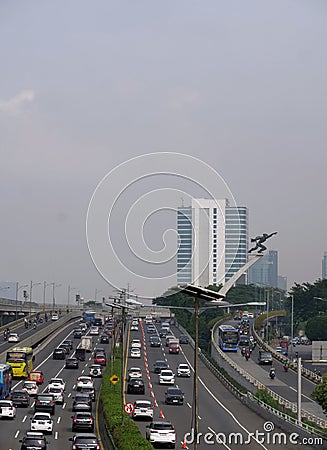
(285, 383)
(219, 410)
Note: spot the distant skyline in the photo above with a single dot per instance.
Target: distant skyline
(85, 87)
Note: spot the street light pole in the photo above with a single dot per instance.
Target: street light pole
(17, 289)
(292, 318)
(196, 368)
(299, 389)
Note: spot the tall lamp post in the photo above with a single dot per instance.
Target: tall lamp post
(17, 290)
(54, 285)
(31, 289)
(45, 285)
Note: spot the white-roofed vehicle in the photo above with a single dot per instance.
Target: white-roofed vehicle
(7, 409)
(142, 409)
(57, 382)
(134, 372)
(57, 393)
(30, 387)
(135, 353)
(166, 376)
(95, 370)
(84, 381)
(136, 343)
(41, 421)
(13, 337)
(183, 370)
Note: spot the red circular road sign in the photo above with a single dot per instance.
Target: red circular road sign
(129, 408)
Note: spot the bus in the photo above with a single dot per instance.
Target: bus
(228, 338)
(5, 380)
(21, 361)
(89, 316)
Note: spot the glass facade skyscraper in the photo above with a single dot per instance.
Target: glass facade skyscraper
(213, 241)
(265, 271)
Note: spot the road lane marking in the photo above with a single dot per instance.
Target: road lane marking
(220, 442)
(189, 405)
(16, 434)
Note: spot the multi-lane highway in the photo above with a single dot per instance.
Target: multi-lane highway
(220, 413)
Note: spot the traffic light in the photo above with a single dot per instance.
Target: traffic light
(78, 297)
(25, 294)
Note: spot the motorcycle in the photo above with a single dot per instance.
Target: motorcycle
(272, 373)
(243, 351)
(285, 367)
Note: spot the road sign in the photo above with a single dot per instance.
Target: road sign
(114, 379)
(129, 408)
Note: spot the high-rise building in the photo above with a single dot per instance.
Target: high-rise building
(282, 283)
(265, 271)
(324, 266)
(213, 241)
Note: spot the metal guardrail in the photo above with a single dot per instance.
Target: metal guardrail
(305, 372)
(281, 400)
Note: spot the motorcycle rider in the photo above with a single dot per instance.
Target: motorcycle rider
(272, 373)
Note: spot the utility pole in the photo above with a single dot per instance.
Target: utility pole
(196, 369)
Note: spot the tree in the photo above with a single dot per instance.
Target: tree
(316, 328)
(320, 393)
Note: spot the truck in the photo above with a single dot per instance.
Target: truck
(86, 343)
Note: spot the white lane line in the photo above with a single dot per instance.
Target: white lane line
(223, 406)
(25, 417)
(56, 435)
(293, 389)
(200, 417)
(16, 434)
(219, 442)
(189, 405)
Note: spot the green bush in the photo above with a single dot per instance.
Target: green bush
(127, 437)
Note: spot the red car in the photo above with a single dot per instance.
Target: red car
(37, 376)
(101, 359)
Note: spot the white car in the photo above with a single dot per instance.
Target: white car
(84, 381)
(250, 315)
(7, 409)
(41, 421)
(30, 387)
(134, 372)
(134, 327)
(166, 376)
(94, 331)
(161, 432)
(183, 370)
(13, 337)
(136, 343)
(54, 317)
(135, 353)
(57, 393)
(57, 382)
(95, 370)
(142, 408)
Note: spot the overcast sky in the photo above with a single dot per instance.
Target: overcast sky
(85, 86)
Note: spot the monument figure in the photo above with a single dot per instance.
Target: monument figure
(259, 242)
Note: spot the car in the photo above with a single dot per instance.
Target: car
(78, 334)
(174, 396)
(250, 315)
(84, 381)
(148, 320)
(135, 386)
(30, 387)
(54, 317)
(20, 398)
(134, 372)
(265, 357)
(183, 339)
(134, 327)
(65, 347)
(7, 409)
(136, 343)
(157, 320)
(159, 366)
(183, 370)
(58, 382)
(164, 332)
(168, 338)
(57, 392)
(160, 432)
(88, 390)
(85, 441)
(135, 353)
(13, 337)
(100, 358)
(95, 371)
(45, 402)
(36, 375)
(166, 377)
(151, 329)
(33, 440)
(143, 409)
(80, 354)
(82, 402)
(98, 350)
(104, 339)
(155, 341)
(94, 331)
(41, 421)
(72, 363)
(59, 353)
(82, 421)
(69, 343)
